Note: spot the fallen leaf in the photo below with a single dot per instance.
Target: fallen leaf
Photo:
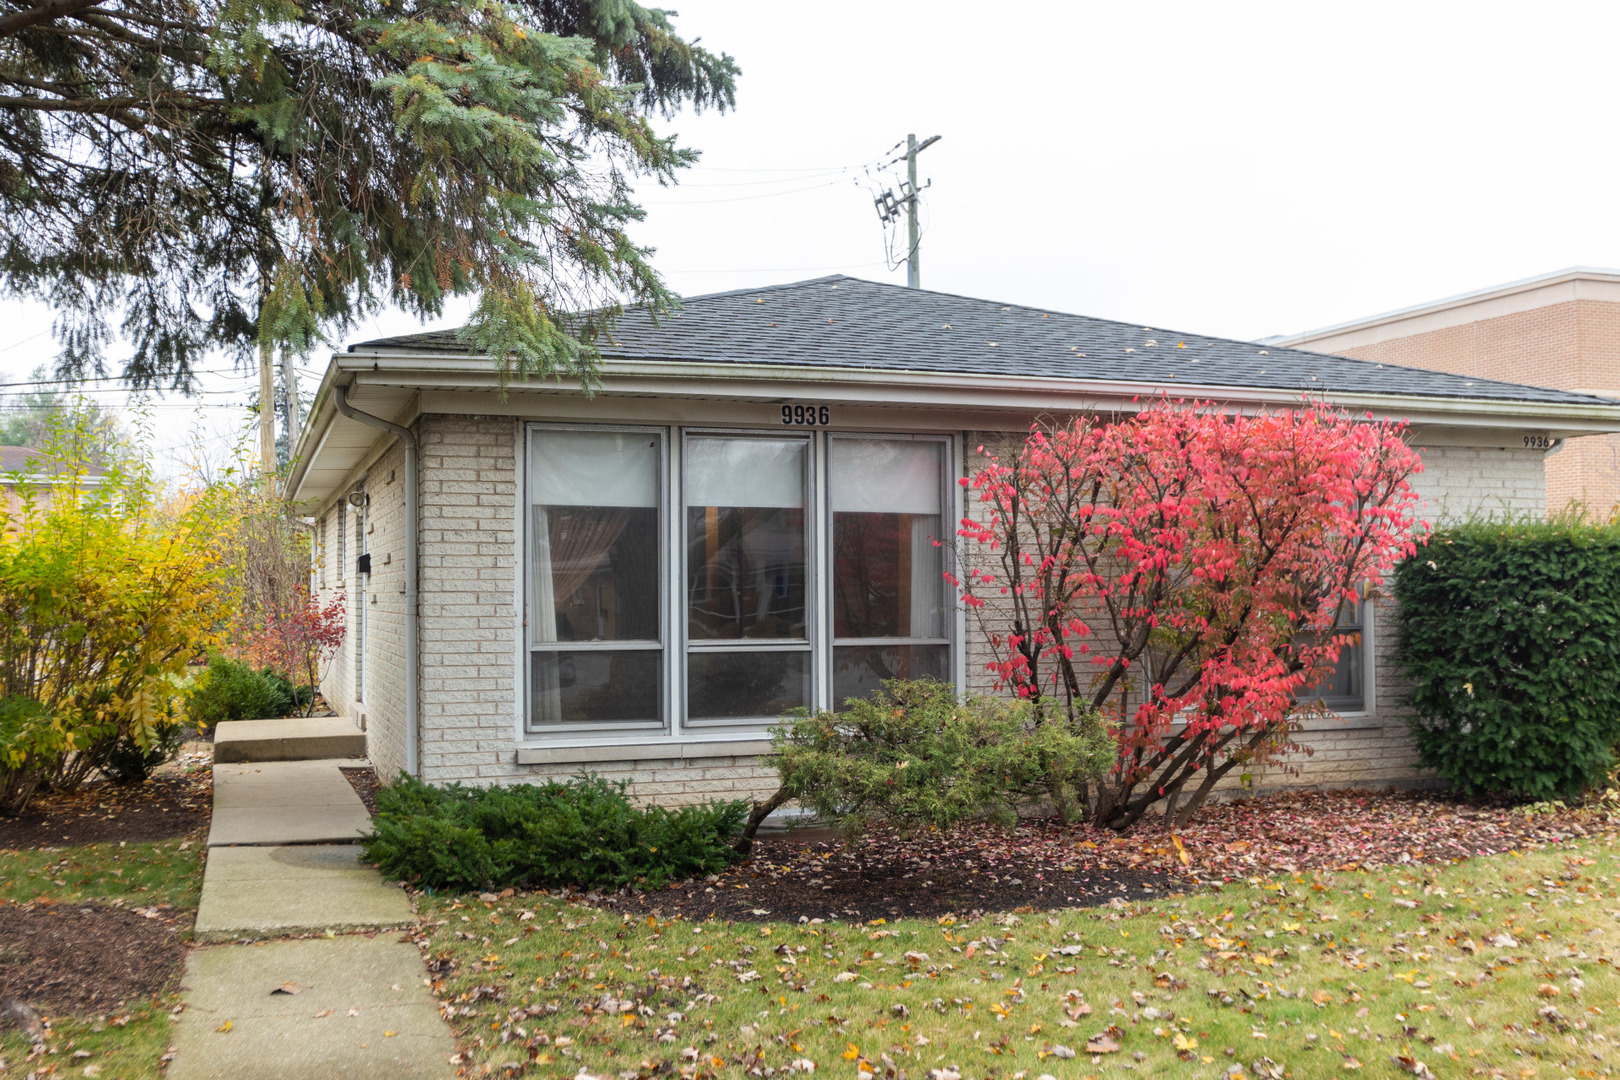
(226, 1026)
(1102, 1044)
(323, 1012)
(1413, 1066)
(288, 988)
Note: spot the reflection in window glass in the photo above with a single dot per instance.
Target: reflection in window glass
(858, 669)
(600, 686)
(887, 571)
(746, 685)
(745, 538)
(594, 573)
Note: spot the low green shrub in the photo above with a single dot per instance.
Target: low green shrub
(1509, 632)
(585, 833)
(914, 756)
(232, 690)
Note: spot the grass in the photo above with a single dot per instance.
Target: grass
(127, 1045)
(164, 872)
(123, 1046)
(1335, 974)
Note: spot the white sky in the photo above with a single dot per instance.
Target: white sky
(1237, 169)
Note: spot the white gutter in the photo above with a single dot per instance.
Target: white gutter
(340, 402)
(981, 391)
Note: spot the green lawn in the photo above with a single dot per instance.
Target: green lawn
(164, 872)
(129, 1044)
(1495, 967)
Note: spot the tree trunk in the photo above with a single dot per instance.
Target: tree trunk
(761, 811)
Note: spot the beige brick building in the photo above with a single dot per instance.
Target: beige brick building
(741, 521)
(1558, 330)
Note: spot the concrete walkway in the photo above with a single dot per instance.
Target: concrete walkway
(316, 1007)
(286, 802)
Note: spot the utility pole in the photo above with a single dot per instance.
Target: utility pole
(267, 413)
(289, 387)
(888, 206)
(913, 255)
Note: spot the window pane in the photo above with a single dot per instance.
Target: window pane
(594, 536)
(888, 574)
(596, 573)
(597, 686)
(1343, 688)
(858, 669)
(746, 685)
(745, 542)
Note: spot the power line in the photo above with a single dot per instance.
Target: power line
(744, 198)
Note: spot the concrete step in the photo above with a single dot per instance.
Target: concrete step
(293, 739)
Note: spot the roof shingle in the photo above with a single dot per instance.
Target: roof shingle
(845, 322)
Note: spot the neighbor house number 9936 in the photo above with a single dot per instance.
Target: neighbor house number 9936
(806, 415)
(1537, 442)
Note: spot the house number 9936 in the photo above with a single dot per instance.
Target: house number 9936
(1537, 442)
(806, 415)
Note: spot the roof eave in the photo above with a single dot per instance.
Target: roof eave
(471, 371)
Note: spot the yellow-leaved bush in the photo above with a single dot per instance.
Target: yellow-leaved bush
(109, 586)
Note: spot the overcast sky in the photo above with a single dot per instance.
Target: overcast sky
(1235, 169)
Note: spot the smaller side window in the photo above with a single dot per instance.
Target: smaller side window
(1344, 690)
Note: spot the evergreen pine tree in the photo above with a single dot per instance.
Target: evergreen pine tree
(212, 173)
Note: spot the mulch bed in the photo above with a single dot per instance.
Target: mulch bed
(87, 958)
(1045, 864)
(159, 809)
(365, 783)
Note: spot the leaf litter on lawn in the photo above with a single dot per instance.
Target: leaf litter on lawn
(1045, 864)
(1308, 974)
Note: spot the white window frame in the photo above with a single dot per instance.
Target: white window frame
(947, 504)
(675, 646)
(813, 513)
(525, 576)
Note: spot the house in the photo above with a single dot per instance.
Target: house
(28, 465)
(740, 521)
(1560, 330)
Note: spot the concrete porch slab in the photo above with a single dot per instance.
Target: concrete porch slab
(285, 802)
(291, 739)
(361, 1011)
(265, 892)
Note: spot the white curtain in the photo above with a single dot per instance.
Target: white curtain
(927, 579)
(543, 622)
(745, 472)
(886, 476)
(576, 468)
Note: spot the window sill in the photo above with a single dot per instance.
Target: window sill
(1343, 722)
(662, 750)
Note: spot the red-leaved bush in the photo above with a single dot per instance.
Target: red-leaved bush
(299, 637)
(1182, 570)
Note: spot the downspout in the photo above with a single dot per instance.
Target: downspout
(340, 401)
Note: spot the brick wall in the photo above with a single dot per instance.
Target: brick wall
(469, 626)
(1573, 345)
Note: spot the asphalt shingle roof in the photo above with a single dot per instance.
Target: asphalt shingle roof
(845, 322)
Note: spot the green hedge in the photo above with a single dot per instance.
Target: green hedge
(1510, 634)
(231, 690)
(585, 833)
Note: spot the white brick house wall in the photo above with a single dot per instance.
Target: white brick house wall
(470, 630)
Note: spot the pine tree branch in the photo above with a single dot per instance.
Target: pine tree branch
(50, 11)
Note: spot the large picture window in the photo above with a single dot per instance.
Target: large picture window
(888, 587)
(595, 634)
(689, 580)
(747, 620)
